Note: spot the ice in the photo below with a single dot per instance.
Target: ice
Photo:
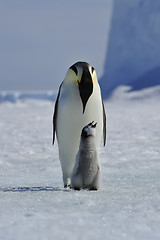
(33, 202)
(13, 97)
(133, 55)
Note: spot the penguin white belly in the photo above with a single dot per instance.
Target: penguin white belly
(70, 122)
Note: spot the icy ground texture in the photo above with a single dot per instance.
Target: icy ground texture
(33, 203)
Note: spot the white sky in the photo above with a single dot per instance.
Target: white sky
(41, 39)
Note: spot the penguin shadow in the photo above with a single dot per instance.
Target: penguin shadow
(34, 189)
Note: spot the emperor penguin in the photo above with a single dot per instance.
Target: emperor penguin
(86, 173)
(78, 102)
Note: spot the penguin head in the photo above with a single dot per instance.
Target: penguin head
(89, 130)
(85, 76)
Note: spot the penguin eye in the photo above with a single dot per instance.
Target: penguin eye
(93, 70)
(73, 67)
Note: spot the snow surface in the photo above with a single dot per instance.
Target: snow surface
(33, 202)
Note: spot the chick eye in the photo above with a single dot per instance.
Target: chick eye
(73, 67)
(93, 69)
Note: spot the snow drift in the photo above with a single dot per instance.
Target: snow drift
(13, 96)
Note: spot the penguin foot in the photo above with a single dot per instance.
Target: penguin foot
(67, 186)
(77, 188)
(93, 189)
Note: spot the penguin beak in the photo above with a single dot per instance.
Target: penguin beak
(85, 85)
(92, 124)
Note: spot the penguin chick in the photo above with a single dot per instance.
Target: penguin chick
(86, 173)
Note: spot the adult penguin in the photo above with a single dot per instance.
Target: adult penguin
(79, 102)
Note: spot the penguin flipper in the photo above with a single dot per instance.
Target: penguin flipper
(55, 114)
(104, 124)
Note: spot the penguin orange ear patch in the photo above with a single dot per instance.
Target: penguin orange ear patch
(78, 81)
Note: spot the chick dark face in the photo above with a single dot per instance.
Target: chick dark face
(89, 130)
(85, 83)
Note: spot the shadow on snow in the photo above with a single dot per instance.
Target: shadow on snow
(33, 189)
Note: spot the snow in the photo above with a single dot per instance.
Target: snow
(13, 97)
(33, 202)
